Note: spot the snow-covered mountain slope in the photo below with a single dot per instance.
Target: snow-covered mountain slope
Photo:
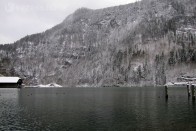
(150, 42)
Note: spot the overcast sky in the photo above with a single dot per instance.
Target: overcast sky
(19, 18)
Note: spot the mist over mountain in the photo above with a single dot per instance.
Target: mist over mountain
(149, 42)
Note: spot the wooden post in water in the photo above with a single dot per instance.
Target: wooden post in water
(188, 90)
(166, 92)
(193, 91)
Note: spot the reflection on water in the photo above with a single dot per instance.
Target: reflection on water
(113, 109)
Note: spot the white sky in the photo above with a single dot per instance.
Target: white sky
(19, 18)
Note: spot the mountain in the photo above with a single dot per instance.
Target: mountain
(149, 42)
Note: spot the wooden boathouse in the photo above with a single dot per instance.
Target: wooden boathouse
(10, 82)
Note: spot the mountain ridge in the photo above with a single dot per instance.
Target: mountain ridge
(150, 42)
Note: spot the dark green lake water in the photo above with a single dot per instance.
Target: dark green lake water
(96, 109)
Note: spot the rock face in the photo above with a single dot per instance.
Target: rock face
(150, 42)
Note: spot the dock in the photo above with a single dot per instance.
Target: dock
(191, 87)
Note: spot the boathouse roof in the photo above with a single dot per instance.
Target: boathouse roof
(9, 79)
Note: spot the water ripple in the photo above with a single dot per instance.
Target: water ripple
(113, 109)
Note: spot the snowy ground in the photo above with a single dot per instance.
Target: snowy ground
(180, 83)
(52, 85)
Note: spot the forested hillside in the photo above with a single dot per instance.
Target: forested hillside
(150, 42)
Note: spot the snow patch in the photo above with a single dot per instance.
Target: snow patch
(83, 85)
(170, 84)
(179, 83)
(52, 85)
(136, 66)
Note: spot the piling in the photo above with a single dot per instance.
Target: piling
(188, 90)
(193, 92)
(166, 92)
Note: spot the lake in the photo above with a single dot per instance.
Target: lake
(96, 109)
